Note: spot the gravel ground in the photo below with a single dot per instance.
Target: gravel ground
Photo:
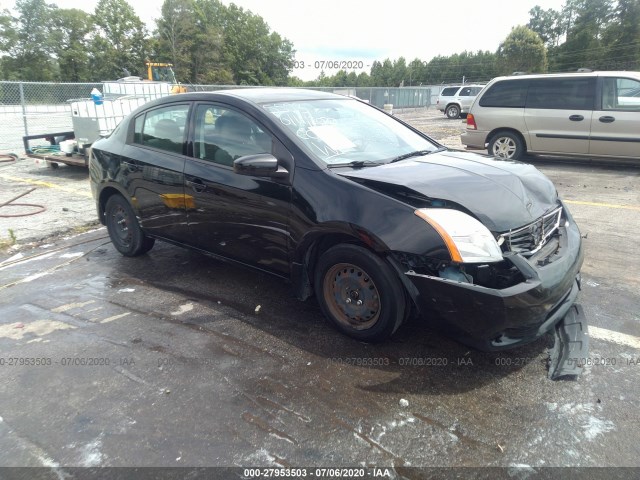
(435, 124)
(65, 195)
(59, 201)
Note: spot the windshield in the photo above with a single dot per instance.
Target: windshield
(163, 74)
(344, 131)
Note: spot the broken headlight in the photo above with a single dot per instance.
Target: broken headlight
(468, 240)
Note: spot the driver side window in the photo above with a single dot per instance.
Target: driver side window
(621, 94)
(223, 135)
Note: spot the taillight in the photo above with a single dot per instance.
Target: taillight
(471, 122)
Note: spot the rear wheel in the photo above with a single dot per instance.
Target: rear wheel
(359, 292)
(506, 145)
(453, 111)
(124, 229)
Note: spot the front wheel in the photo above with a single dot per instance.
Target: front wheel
(359, 293)
(453, 111)
(506, 145)
(124, 229)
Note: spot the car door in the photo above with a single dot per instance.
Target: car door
(154, 160)
(558, 114)
(466, 97)
(615, 126)
(237, 216)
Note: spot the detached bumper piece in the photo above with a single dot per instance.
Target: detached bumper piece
(571, 345)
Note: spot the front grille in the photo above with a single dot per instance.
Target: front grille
(529, 239)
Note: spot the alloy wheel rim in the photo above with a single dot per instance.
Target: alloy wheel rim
(504, 147)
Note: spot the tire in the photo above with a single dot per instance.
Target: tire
(452, 111)
(124, 229)
(348, 274)
(506, 145)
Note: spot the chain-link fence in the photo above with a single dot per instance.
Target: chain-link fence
(34, 108)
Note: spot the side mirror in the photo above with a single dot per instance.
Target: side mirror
(261, 165)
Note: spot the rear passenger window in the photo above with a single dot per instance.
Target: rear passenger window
(562, 93)
(507, 94)
(449, 91)
(162, 128)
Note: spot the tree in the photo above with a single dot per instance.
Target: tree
(352, 79)
(253, 53)
(8, 33)
(586, 22)
(277, 60)
(175, 36)
(7, 38)
(339, 79)
(621, 39)
(28, 42)
(70, 39)
(522, 50)
(209, 42)
(120, 43)
(207, 64)
(416, 71)
(364, 80)
(546, 23)
(295, 82)
(382, 73)
(400, 73)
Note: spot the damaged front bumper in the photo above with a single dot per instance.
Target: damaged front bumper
(570, 346)
(496, 319)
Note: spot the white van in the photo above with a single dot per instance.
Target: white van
(573, 114)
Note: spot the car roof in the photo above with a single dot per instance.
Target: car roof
(601, 73)
(465, 85)
(268, 95)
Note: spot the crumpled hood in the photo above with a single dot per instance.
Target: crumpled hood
(502, 194)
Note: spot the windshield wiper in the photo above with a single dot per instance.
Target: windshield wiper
(417, 153)
(354, 164)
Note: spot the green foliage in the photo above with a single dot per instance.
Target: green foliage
(621, 40)
(174, 39)
(70, 39)
(8, 34)
(254, 54)
(10, 241)
(209, 42)
(28, 42)
(546, 23)
(598, 34)
(523, 50)
(120, 42)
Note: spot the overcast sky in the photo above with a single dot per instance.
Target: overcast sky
(365, 30)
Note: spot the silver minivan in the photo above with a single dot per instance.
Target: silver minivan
(573, 114)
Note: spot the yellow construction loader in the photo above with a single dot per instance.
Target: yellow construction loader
(163, 72)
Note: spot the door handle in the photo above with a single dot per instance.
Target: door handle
(607, 119)
(576, 118)
(197, 185)
(131, 167)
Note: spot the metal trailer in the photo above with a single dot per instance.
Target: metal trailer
(90, 121)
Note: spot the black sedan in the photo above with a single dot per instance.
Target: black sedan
(348, 203)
